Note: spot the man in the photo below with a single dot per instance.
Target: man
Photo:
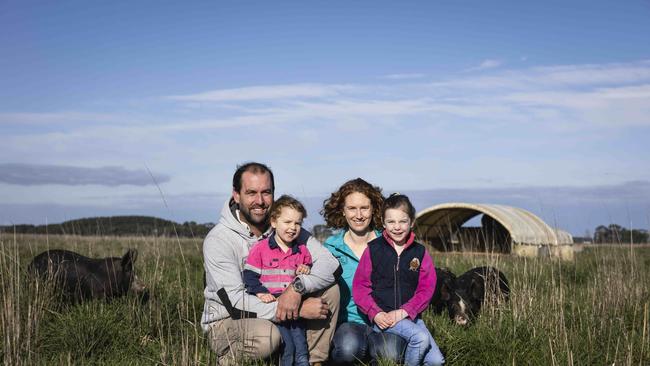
(239, 324)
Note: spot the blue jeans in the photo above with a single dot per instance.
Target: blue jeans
(421, 349)
(294, 350)
(356, 342)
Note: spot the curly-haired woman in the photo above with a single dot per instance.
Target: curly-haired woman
(356, 209)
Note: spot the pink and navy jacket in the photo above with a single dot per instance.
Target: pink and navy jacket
(385, 281)
(270, 270)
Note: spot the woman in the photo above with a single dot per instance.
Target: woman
(356, 209)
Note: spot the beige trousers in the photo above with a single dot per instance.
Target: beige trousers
(233, 340)
(321, 332)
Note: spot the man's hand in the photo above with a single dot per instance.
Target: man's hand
(288, 305)
(314, 308)
(383, 321)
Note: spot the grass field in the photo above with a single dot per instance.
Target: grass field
(592, 311)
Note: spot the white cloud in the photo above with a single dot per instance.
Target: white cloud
(569, 90)
(40, 174)
(266, 92)
(582, 96)
(486, 64)
(626, 92)
(534, 114)
(591, 75)
(405, 76)
(552, 77)
(54, 117)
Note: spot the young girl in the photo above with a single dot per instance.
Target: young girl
(395, 280)
(274, 262)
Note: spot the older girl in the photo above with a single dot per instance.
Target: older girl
(394, 283)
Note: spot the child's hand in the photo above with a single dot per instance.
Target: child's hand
(382, 320)
(396, 315)
(265, 297)
(303, 269)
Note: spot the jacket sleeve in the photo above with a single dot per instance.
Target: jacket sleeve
(362, 287)
(253, 272)
(306, 259)
(323, 267)
(424, 292)
(223, 274)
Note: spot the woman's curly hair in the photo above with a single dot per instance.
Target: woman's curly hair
(333, 207)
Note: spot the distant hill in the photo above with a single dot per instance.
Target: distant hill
(116, 226)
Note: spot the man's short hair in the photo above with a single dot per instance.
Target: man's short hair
(253, 167)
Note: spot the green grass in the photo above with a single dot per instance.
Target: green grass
(593, 310)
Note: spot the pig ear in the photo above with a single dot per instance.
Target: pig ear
(476, 290)
(444, 292)
(129, 258)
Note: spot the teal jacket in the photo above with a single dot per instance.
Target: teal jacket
(349, 262)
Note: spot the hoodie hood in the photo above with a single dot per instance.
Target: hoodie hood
(229, 219)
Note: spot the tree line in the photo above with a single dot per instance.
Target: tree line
(154, 226)
(116, 226)
(618, 234)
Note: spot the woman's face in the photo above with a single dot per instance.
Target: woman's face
(357, 210)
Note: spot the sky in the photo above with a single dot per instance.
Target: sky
(147, 107)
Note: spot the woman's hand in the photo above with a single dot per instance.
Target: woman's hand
(382, 320)
(396, 315)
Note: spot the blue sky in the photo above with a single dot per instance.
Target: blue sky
(541, 105)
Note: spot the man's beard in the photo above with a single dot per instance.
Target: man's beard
(254, 220)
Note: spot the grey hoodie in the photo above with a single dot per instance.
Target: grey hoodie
(225, 249)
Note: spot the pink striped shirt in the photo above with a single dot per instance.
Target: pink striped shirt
(269, 268)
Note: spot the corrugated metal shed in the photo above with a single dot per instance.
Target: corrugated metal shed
(523, 227)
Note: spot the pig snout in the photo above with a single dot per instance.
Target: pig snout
(137, 285)
(461, 320)
(139, 288)
(459, 312)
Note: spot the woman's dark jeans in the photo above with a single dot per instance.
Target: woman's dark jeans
(355, 342)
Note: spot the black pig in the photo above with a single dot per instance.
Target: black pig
(445, 286)
(474, 287)
(81, 278)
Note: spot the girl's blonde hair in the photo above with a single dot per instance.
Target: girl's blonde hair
(286, 201)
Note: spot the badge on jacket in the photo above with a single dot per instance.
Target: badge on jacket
(414, 265)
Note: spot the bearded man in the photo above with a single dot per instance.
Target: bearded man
(239, 324)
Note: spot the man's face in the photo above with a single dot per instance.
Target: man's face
(254, 198)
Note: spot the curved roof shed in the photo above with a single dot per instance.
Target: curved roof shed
(440, 223)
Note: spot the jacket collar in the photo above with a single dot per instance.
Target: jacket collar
(389, 240)
(300, 240)
(337, 242)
